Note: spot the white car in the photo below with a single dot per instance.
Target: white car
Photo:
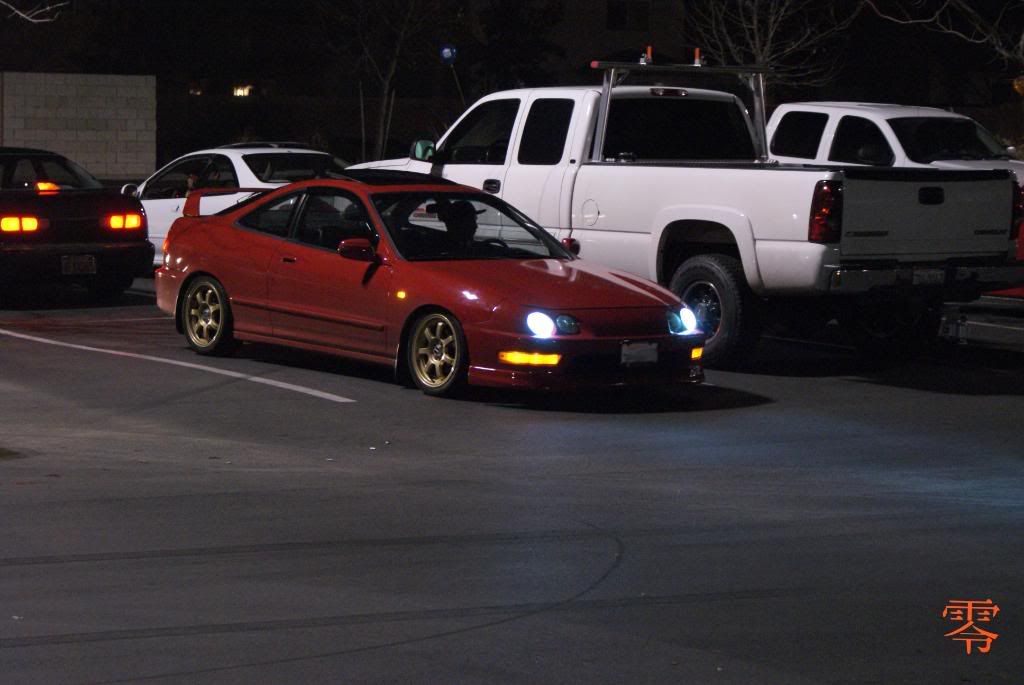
(244, 165)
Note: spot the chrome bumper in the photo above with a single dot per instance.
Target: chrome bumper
(842, 280)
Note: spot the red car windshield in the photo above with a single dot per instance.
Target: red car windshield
(439, 226)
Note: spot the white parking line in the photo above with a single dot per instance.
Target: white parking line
(173, 362)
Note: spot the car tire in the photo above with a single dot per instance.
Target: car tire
(206, 317)
(715, 288)
(436, 354)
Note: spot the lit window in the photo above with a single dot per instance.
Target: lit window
(242, 91)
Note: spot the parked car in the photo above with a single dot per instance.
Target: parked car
(385, 267)
(245, 165)
(58, 223)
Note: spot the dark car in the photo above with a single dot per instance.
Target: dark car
(58, 223)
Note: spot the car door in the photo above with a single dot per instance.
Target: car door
(242, 256)
(318, 297)
(163, 195)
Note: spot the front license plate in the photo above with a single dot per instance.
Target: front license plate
(929, 276)
(639, 353)
(77, 264)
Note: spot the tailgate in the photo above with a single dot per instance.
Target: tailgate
(917, 215)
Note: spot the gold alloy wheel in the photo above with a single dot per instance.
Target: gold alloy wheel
(204, 314)
(437, 351)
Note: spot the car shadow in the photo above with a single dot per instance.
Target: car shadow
(686, 399)
(944, 367)
(51, 296)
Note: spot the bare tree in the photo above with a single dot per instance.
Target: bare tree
(800, 40)
(41, 13)
(1000, 26)
(382, 37)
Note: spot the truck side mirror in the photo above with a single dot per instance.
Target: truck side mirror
(422, 150)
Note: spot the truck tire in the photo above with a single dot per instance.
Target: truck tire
(714, 287)
(891, 329)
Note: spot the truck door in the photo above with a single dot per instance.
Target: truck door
(536, 180)
(476, 152)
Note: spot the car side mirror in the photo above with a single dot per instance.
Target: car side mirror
(422, 150)
(359, 249)
(130, 189)
(572, 245)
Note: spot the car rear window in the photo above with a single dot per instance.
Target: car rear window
(22, 172)
(285, 167)
(677, 129)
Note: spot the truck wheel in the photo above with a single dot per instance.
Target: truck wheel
(891, 329)
(714, 287)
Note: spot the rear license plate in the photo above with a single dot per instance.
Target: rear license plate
(929, 276)
(77, 264)
(639, 353)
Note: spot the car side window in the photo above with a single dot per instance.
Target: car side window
(176, 180)
(329, 217)
(483, 136)
(860, 141)
(545, 131)
(799, 134)
(219, 173)
(273, 218)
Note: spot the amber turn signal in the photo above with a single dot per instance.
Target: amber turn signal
(124, 221)
(529, 358)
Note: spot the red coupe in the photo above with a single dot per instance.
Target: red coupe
(445, 283)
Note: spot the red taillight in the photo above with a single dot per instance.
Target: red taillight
(825, 225)
(124, 221)
(21, 224)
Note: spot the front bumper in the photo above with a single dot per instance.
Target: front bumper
(43, 262)
(586, 363)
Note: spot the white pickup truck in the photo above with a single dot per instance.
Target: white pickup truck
(673, 184)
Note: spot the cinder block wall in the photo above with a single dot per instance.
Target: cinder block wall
(106, 123)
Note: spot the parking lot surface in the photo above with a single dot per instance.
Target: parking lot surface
(285, 517)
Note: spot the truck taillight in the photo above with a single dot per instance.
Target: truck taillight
(21, 224)
(825, 225)
(129, 221)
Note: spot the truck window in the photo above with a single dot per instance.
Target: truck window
(483, 136)
(799, 134)
(545, 132)
(859, 141)
(677, 128)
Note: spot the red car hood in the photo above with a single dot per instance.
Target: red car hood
(546, 283)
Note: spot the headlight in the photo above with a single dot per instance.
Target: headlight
(540, 324)
(682, 322)
(543, 326)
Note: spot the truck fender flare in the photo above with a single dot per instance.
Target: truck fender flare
(737, 223)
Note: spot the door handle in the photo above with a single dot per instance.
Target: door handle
(492, 185)
(289, 260)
